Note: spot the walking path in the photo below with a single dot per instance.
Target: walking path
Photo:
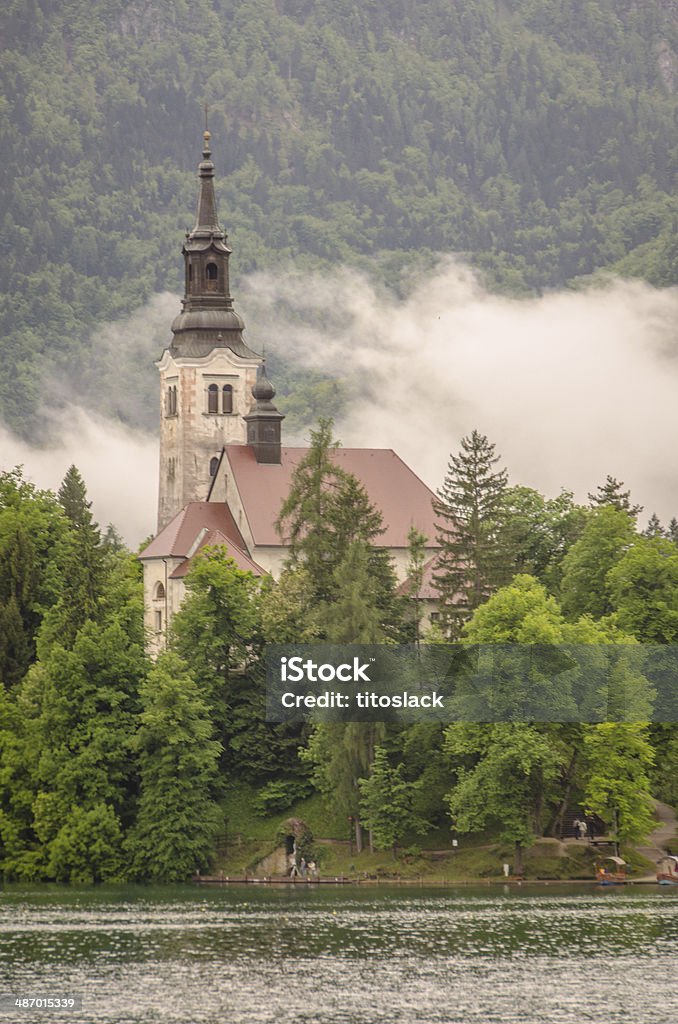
(664, 834)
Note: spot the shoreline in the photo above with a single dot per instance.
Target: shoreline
(423, 882)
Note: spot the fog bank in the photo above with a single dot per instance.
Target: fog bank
(570, 386)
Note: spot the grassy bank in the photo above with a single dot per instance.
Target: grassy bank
(250, 837)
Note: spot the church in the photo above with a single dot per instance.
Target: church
(224, 471)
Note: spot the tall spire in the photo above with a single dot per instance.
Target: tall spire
(207, 319)
(206, 220)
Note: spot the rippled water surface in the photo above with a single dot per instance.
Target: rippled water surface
(255, 954)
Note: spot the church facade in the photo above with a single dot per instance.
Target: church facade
(224, 471)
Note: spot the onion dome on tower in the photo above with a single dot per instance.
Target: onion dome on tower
(263, 421)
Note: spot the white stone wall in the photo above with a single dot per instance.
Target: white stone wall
(193, 436)
(159, 611)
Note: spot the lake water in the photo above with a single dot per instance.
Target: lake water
(344, 955)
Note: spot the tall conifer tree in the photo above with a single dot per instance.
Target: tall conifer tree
(611, 493)
(472, 562)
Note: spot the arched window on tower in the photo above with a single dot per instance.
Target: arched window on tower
(214, 465)
(227, 398)
(213, 398)
(211, 275)
(159, 592)
(171, 400)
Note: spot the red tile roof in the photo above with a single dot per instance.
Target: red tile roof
(181, 533)
(396, 492)
(212, 539)
(427, 591)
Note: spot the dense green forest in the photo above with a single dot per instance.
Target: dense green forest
(113, 767)
(536, 139)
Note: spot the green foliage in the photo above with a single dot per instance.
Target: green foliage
(178, 816)
(332, 530)
(216, 625)
(503, 770)
(539, 140)
(353, 616)
(33, 532)
(387, 803)
(340, 755)
(584, 588)
(643, 589)
(416, 542)
(218, 632)
(88, 847)
(470, 507)
(610, 494)
(289, 613)
(279, 794)
(538, 532)
(620, 758)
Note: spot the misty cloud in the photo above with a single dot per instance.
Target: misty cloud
(119, 466)
(571, 386)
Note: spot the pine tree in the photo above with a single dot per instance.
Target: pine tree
(611, 493)
(654, 527)
(305, 522)
(353, 616)
(83, 563)
(32, 535)
(72, 496)
(472, 562)
(326, 510)
(416, 542)
(386, 801)
(178, 815)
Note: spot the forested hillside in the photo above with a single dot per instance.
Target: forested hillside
(537, 138)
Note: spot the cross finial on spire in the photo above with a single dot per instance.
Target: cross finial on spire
(206, 137)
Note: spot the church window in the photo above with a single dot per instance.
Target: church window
(211, 273)
(190, 272)
(171, 400)
(214, 463)
(227, 398)
(158, 620)
(159, 592)
(213, 398)
(171, 467)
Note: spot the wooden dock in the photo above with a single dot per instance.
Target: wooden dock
(272, 880)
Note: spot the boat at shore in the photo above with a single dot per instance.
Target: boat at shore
(611, 871)
(667, 871)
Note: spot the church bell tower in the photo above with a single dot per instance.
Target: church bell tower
(208, 371)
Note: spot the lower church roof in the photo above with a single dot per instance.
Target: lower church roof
(184, 533)
(215, 538)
